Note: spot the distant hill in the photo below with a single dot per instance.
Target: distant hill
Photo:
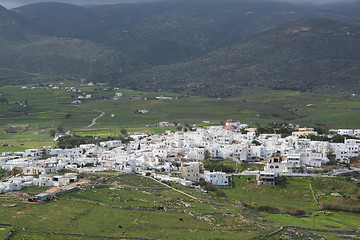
(162, 32)
(318, 55)
(31, 55)
(205, 47)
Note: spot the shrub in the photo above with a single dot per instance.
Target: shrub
(52, 132)
(266, 208)
(295, 211)
(211, 187)
(347, 207)
(220, 193)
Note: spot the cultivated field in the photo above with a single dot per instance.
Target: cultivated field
(28, 126)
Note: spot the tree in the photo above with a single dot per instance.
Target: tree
(320, 130)
(4, 100)
(284, 131)
(67, 116)
(123, 131)
(337, 138)
(52, 132)
(60, 129)
(264, 130)
(207, 154)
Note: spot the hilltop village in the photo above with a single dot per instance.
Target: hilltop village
(178, 156)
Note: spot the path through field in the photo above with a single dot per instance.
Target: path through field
(186, 194)
(93, 122)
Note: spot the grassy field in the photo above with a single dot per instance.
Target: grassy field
(179, 217)
(24, 127)
(134, 206)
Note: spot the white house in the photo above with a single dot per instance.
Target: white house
(217, 178)
(32, 152)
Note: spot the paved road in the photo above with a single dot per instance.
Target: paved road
(93, 122)
(335, 172)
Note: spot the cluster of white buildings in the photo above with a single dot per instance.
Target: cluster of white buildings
(43, 180)
(177, 156)
(347, 132)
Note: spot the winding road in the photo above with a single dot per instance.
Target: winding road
(93, 122)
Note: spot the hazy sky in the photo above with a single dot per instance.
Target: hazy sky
(16, 3)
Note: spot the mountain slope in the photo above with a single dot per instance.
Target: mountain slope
(162, 32)
(318, 55)
(28, 54)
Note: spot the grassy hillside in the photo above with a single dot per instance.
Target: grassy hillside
(29, 56)
(209, 48)
(162, 32)
(313, 55)
(66, 57)
(134, 206)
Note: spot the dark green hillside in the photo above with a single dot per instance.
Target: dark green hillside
(162, 32)
(67, 57)
(12, 28)
(348, 12)
(204, 47)
(319, 55)
(26, 54)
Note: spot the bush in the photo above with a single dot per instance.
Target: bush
(347, 207)
(295, 211)
(220, 193)
(74, 140)
(218, 166)
(266, 208)
(52, 132)
(211, 187)
(271, 209)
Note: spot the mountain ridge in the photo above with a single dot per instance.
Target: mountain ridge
(210, 48)
(301, 56)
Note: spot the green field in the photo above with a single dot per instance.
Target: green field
(134, 206)
(25, 127)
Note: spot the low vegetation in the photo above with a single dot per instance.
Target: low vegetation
(134, 206)
(228, 166)
(46, 112)
(212, 188)
(3, 173)
(72, 141)
(347, 207)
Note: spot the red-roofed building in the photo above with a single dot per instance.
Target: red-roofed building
(234, 126)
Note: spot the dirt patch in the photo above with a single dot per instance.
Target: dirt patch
(54, 190)
(141, 200)
(355, 162)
